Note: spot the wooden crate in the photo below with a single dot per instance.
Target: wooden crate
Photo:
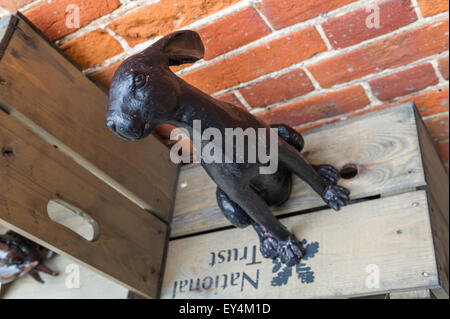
(393, 238)
(55, 146)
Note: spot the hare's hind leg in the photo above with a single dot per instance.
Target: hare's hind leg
(295, 139)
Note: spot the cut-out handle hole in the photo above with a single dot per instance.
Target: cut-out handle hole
(349, 171)
(73, 218)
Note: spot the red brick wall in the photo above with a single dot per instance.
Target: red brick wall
(302, 62)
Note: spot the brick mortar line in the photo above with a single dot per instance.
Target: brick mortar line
(374, 101)
(432, 116)
(416, 7)
(263, 17)
(119, 39)
(244, 4)
(272, 36)
(316, 84)
(242, 99)
(334, 87)
(443, 142)
(435, 64)
(322, 34)
(31, 5)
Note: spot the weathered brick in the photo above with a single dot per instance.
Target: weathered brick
(282, 13)
(92, 48)
(164, 131)
(231, 98)
(176, 68)
(352, 28)
(163, 17)
(318, 107)
(443, 67)
(404, 82)
(430, 102)
(232, 32)
(438, 127)
(432, 7)
(104, 76)
(427, 103)
(272, 90)
(13, 5)
(51, 16)
(392, 52)
(272, 56)
(316, 124)
(442, 150)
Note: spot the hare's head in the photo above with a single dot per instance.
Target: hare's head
(144, 91)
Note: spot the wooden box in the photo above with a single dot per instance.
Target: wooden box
(391, 239)
(55, 147)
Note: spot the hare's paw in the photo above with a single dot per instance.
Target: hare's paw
(268, 243)
(269, 247)
(336, 196)
(290, 251)
(328, 172)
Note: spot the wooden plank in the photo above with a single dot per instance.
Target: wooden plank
(383, 145)
(131, 244)
(7, 25)
(91, 284)
(46, 93)
(390, 237)
(438, 189)
(439, 227)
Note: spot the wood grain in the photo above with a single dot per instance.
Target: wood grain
(383, 145)
(45, 92)
(392, 235)
(132, 242)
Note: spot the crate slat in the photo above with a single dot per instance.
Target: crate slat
(391, 235)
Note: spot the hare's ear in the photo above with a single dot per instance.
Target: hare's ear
(181, 47)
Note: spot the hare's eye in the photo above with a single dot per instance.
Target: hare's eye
(139, 80)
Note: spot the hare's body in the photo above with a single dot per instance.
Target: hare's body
(145, 93)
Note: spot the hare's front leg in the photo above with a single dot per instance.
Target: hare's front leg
(323, 178)
(276, 240)
(238, 218)
(295, 139)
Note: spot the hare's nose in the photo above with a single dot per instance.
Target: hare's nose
(111, 125)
